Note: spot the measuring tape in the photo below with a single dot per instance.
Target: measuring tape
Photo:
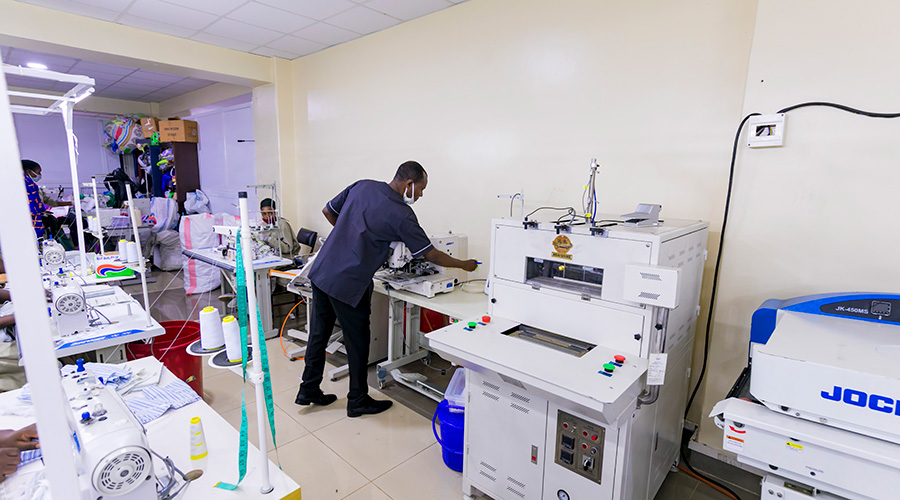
(243, 317)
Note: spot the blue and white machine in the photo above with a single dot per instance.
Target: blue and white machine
(817, 409)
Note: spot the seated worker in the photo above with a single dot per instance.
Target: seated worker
(12, 443)
(12, 376)
(283, 236)
(367, 217)
(32, 171)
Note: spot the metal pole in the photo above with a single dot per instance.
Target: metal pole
(137, 242)
(73, 167)
(32, 321)
(255, 372)
(97, 211)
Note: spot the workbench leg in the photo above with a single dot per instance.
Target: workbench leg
(264, 300)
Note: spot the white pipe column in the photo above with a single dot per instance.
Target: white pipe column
(255, 372)
(32, 321)
(73, 167)
(140, 250)
(97, 211)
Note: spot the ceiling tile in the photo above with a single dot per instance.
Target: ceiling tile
(145, 88)
(77, 8)
(169, 13)
(243, 32)
(86, 67)
(270, 17)
(145, 74)
(270, 52)
(152, 25)
(296, 45)
(221, 41)
(326, 34)
(315, 9)
(113, 5)
(28, 83)
(363, 20)
(21, 57)
(218, 7)
(408, 9)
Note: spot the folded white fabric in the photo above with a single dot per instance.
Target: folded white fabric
(115, 375)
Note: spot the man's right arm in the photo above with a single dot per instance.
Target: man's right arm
(329, 215)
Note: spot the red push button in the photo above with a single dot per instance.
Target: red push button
(565, 425)
(583, 446)
(584, 433)
(619, 358)
(593, 438)
(485, 319)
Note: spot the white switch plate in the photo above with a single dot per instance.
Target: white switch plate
(765, 131)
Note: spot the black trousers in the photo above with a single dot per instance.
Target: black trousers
(355, 323)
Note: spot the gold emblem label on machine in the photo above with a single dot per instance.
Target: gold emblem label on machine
(562, 244)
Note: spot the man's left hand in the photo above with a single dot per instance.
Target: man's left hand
(22, 439)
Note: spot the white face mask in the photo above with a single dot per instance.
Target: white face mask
(409, 200)
(36, 177)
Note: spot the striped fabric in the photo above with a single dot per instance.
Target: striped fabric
(35, 205)
(145, 410)
(154, 401)
(29, 456)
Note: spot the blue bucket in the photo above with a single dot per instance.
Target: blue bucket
(453, 420)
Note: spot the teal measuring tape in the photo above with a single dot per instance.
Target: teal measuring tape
(243, 320)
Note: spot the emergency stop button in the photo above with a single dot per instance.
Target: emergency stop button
(485, 319)
(619, 358)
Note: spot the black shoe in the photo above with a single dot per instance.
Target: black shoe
(367, 406)
(320, 399)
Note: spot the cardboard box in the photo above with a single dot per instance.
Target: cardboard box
(178, 131)
(149, 126)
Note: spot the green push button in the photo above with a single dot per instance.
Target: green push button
(472, 324)
(609, 367)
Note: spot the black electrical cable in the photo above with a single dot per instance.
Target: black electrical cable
(570, 210)
(712, 300)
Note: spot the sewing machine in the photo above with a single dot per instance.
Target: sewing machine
(817, 409)
(228, 247)
(402, 272)
(112, 453)
(578, 376)
(69, 306)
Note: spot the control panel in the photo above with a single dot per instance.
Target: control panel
(579, 446)
(880, 309)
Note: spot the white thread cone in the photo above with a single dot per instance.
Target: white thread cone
(232, 333)
(211, 334)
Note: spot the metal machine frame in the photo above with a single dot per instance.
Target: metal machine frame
(596, 312)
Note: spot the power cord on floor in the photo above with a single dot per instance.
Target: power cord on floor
(281, 332)
(712, 300)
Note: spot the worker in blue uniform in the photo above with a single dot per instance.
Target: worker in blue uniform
(367, 217)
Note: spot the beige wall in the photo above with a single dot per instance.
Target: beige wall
(819, 214)
(497, 95)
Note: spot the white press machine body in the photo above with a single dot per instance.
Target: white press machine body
(817, 410)
(553, 410)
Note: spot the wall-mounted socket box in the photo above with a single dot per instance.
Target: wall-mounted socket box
(765, 131)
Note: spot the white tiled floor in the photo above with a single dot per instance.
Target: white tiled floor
(381, 457)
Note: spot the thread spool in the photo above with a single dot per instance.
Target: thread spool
(232, 333)
(131, 251)
(211, 334)
(198, 445)
(123, 250)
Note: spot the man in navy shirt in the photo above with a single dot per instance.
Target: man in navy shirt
(367, 217)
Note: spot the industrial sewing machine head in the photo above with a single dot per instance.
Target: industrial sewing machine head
(228, 247)
(403, 272)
